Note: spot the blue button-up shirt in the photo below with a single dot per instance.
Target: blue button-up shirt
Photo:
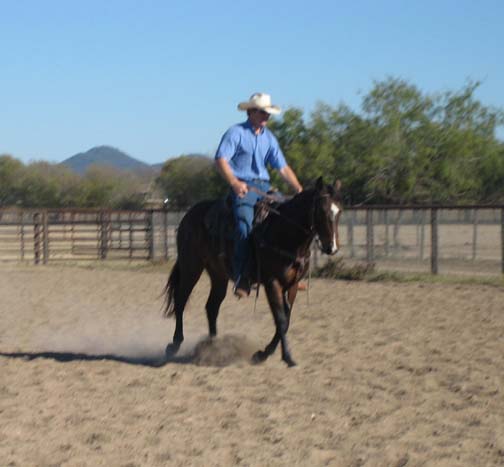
(249, 154)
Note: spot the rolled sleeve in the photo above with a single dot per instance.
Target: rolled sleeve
(228, 145)
(275, 158)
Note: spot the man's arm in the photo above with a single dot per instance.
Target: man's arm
(290, 177)
(239, 187)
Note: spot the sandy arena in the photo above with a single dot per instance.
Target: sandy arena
(388, 375)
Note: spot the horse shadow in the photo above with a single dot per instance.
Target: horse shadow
(65, 357)
(208, 351)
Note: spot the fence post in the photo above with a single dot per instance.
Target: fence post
(369, 236)
(36, 238)
(130, 235)
(434, 240)
(165, 234)
(422, 234)
(149, 233)
(396, 229)
(475, 233)
(385, 220)
(72, 232)
(21, 222)
(45, 237)
(103, 235)
(350, 233)
(502, 239)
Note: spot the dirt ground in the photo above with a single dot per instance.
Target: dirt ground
(388, 375)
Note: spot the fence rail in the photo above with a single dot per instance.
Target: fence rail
(468, 239)
(52, 235)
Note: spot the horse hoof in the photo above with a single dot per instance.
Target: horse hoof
(171, 350)
(290, 362)
(259, 357)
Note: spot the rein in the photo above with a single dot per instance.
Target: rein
(282, 198)
(299, 261)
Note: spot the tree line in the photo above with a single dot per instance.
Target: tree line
(46, 185)
(403, 146)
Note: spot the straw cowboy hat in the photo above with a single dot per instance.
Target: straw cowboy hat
(260, 101)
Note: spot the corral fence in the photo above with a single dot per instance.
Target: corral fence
(50, 235)
(465, 239)
(442, 238)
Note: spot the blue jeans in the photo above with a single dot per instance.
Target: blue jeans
(243, 212)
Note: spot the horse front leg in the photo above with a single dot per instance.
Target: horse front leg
(280, 303)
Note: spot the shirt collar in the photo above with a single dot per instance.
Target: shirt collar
(249, 126)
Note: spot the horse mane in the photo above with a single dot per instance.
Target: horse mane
(297, 202)
(286, 214)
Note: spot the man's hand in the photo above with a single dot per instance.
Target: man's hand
(240, 188)
(290, 177)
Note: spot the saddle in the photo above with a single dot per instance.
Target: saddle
(219, 221)
(220, 224)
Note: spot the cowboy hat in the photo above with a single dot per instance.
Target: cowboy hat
(260, 101)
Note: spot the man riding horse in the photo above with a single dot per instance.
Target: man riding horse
(244, 153)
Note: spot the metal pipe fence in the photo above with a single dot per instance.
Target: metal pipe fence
(460, 239)
(446, 239)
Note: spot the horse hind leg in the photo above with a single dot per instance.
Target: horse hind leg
(188, 278)
(219, 283)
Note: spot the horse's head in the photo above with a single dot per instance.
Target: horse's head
(327, 208)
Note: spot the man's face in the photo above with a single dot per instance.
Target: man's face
(258, 118)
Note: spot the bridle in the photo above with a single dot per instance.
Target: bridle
(299, 261)
(311, 231)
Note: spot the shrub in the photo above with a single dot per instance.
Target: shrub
(337, 269)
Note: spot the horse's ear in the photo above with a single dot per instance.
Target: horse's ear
(337, 184)
(319, 184)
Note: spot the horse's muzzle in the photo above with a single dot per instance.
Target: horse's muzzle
(330, 250)
(327, 248)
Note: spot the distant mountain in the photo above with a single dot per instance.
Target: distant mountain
(106, 155)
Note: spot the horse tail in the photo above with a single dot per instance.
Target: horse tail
(170, 289)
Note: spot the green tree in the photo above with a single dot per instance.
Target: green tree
(47, 185)
(186, 180)
(107, 187)
(10, 173)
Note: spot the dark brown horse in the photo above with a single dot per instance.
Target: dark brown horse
(282, 251)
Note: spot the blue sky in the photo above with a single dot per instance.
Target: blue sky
(160, 78)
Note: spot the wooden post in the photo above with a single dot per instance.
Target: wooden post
(120, 231)
(45, 237)
(21, 222)
(422, 235)
(103, 235)
(369, 236)
(434, 240)
(36, 237)
(502, 239)
(165, 234)
(385, 220)
(72, 232)
(149, 234)
(350, 233)
(416, 223)
(396, 229)
(475, 233)
(130, 236)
